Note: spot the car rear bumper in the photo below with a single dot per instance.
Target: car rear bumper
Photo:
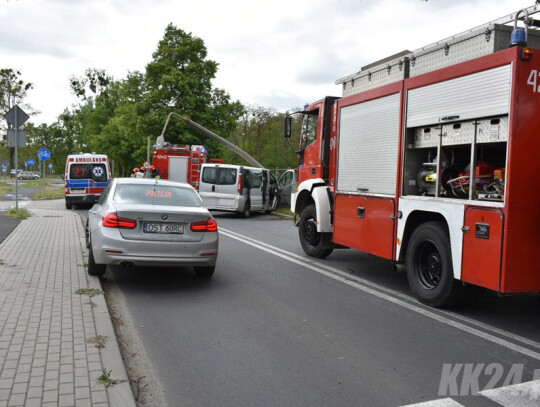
(85, 199)
(111, 248)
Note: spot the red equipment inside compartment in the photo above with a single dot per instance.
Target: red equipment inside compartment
(483, 175)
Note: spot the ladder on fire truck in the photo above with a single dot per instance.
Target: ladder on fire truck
(441, 50)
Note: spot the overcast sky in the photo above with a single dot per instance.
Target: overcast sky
(277, 53)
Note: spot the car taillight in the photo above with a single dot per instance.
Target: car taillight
(209, 225)
(240, 184)
(111, 220)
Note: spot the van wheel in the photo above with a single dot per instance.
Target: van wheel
(429, 266)
(246, 213)
(204, 271)
(68, 205)
(94, 269)
(315, 244)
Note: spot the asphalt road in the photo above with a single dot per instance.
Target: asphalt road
(274, 327)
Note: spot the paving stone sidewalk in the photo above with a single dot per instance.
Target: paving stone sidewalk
(50, 335)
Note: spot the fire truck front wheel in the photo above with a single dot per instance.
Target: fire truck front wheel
(314, 243)
(429, 266)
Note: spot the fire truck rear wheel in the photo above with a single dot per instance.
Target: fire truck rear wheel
(314, 243)
(429, 266)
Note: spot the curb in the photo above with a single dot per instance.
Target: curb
(120, 394)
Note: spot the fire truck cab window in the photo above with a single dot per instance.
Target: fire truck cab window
(309, 128)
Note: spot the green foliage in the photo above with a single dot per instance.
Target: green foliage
(179, 79)
(95, 80)
(13, 90)
(21, 213)
(259, 131)
(116, 117)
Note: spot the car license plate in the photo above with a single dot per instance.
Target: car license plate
(77, 190)
(163, 228)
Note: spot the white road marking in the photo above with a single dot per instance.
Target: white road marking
(437, 403)
(362, 285)
(517, 395)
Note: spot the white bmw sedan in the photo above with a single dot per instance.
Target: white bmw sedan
(151, 222)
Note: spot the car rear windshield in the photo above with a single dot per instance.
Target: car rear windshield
(156, 195)
(96, 172)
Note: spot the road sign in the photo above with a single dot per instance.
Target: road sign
(4, 168)
(31, 162)
(50, 166)
(21, 137)
(146, 165)
(44, 154)
(22, 117)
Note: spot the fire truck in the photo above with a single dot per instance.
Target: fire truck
(429, 159)
(180, 163)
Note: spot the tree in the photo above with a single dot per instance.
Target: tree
(179, 79)
(95, 80)
(259, 131)
(13, 90)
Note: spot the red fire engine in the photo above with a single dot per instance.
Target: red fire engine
(180, 163)
(428, 159)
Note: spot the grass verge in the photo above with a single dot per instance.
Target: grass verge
(4, 188)
(284, 211)
(20, 213)
(50, 193)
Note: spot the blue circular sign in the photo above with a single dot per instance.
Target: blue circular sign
(50, 166)
(31, 162)
(44, 154)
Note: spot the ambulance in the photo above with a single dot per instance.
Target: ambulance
(86, 177)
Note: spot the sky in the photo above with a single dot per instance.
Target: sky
(279, 53)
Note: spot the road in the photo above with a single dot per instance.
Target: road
(274, 327)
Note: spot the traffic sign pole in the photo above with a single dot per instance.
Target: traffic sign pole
(43, 155)
(16, 163)
(16, 117)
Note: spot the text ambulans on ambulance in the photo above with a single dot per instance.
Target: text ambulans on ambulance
(86, 177)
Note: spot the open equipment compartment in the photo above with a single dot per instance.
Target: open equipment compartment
(453, 126)
(438, 159)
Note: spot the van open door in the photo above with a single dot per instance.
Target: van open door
(287, 186)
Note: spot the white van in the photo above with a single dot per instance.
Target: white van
(86, 177)
(228, 187)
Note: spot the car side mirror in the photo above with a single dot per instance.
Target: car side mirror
(288, 127)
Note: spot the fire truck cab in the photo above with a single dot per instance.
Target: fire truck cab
(427, 160)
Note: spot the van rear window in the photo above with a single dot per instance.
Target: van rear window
(96, 172)
(227, 176)
(209, 175)
(219, 176)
